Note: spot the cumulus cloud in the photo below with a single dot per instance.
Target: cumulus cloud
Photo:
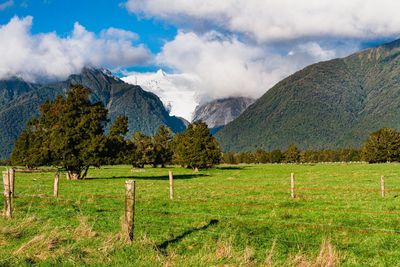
(242, 48)
(46, 55)
(213, 65)
(228, 67)
(6, 4)
(272, 20)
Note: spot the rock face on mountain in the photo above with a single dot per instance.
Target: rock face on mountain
(218, 113)
(326, 105)
(19, 102)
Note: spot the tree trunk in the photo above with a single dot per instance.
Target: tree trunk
(74, 175)
(83, 176)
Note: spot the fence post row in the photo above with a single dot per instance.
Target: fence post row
(292, 185)
(129, 221)
(171, 185)
(7, 195)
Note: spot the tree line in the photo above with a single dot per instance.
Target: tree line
(70, 133)
(292, 155)
(380, 147)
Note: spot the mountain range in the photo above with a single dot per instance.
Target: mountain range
(331, 104)
(216, 114)
(20, 100)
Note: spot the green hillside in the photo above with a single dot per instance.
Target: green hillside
(326, 105)
(19, 102)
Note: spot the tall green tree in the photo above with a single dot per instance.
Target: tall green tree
(292, 154)
(275, 156)
(119, 148)
(196, 148)
(382, 146)
(143, 152)
(162, 144)
(69, 133)
(29, 149)
(229, 158)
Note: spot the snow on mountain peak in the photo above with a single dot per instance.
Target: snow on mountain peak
(174, 90)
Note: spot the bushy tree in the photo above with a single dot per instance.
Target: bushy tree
(382, 146)
(162, 144)
(69, 133)
(118, 148)
(143, 152)
(196, 148)
(229, 158)
(29, 149)
(292, 154)
(275, 156)
(261, 156)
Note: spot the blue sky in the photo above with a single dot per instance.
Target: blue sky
(60, 16)
(209, 49)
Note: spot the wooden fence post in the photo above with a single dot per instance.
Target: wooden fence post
(130, 187)
(382, 186)
(171, 185)
(11, 175)
(292, 185)
(56, 183)
(7, 195)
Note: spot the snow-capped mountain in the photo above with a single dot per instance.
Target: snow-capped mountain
(174, 90)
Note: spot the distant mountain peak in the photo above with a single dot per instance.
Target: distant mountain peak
(98, 72)
(220, 112)
(161, 73)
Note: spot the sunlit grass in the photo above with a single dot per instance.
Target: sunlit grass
(237, 215)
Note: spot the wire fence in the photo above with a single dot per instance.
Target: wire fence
(193, 208)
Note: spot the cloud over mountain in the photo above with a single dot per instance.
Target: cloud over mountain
(271, 20)
(49, 56)
(242, 48)
(227, 66)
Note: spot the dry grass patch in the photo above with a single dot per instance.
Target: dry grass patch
(224, 250)
(269, 257)
(248, 257)
(84, 230)
(327, 257)
(16, 231)
(40, 247)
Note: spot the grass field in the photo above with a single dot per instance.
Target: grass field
(230, 215)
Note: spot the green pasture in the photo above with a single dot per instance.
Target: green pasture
(229, 215)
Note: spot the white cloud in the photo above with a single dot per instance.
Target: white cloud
(211, 66)
(242, 48)
(273, 20)
(46, 55)
(118, 34)
(6, 4)
(228, 67)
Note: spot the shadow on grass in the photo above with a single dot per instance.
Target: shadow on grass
(163, 177)
(230, 168)
(164, 245)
